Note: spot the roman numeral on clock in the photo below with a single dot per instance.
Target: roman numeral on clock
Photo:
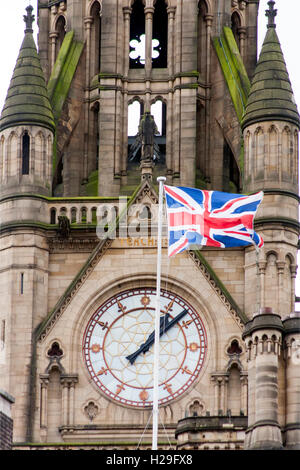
(103, 325)
(102, 371)
(186, 324)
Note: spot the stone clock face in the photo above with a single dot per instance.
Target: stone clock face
(118, 347)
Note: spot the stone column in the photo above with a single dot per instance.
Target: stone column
(215, 409)
(126, 15)
(244, 394)
(264, 431)
(68, 382)
(292, 364)
(148, 45)
(280, 269)
(44, 400)
(251, 354)
(87, 24)
(261, 273)
(293, 269)
(65, 400)
(72, 401)
(53, 38)
(208, 20)
(242, 35)
(171, 18)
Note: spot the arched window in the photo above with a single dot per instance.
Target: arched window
(201, 50)
(25, 153)
(235, 26)
(160, 34)
(94, 141)
(234, 391)
(159, 112)
(137, 36)
(231, 173)
(61, 31)
(95, 39)
(53, 216)
(135, 111)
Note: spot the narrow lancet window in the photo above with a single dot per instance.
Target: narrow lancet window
(96, 39)
(25, 153)
(235, 26)
(61, 30)
(137, 36)
(160, 35)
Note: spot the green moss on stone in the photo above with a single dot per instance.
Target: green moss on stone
(233, 69)
(62, 76)
(91, 187)
(27, 101)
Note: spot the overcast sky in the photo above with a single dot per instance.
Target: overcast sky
(288, 30)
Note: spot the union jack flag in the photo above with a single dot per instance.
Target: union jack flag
(211, 218)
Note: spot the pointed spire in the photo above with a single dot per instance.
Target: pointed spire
(271, 13)
(27, 101)
(271, 96)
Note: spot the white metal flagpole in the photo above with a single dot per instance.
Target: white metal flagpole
(161, 180)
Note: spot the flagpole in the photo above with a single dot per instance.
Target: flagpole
(161, 180)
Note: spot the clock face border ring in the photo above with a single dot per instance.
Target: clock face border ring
(130, 385)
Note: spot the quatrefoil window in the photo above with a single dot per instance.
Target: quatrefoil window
(139, 49)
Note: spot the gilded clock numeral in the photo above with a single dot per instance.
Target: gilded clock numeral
(95, 348)
(103, 325)
(122, 308)
(102, 371)
(186, 324)
(168, 387)
(145, 300)
(186, 370)
(120, 387)
(168, 307)
(144, 395)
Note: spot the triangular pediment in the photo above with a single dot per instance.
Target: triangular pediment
(145, 194)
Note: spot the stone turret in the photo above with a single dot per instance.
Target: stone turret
(271, 122)
(263, 337)
(292, 374)
(26, 125)
(26, 140)
(270, 129)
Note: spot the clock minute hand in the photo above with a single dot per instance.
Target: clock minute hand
(165, 325)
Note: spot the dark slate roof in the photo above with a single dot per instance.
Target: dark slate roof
(27, 101)
(271, 95)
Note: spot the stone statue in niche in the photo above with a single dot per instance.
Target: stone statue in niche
(64, 226)
(148, 129)
(145, 140)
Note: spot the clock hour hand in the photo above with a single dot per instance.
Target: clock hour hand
(165, 325)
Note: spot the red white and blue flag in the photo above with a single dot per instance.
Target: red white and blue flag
(210, 218)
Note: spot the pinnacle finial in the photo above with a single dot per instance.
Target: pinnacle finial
(271, 13)
(29, 19)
